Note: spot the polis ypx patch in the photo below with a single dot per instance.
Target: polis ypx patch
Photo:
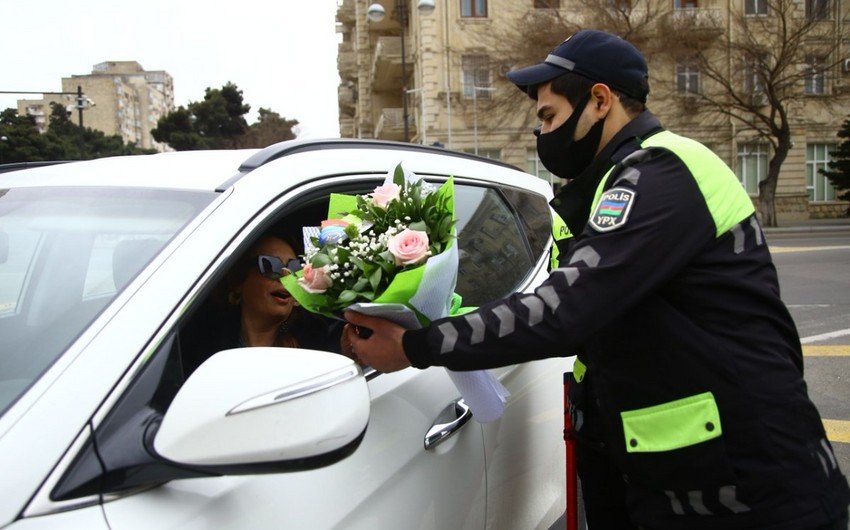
(613, 209)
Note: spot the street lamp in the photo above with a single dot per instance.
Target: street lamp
(376, 13)
(475, 90)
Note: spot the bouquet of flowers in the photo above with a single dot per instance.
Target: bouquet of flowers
(393, 253)
(383, 248)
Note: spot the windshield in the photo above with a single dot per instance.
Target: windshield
(65, 254)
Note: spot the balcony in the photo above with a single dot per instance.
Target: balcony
(391, 124)
(346, 127)
(386, 64)
(346, 98)
(346, 61)
(696, 22)
(345, 12)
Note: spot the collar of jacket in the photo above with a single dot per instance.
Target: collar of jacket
(572, 202)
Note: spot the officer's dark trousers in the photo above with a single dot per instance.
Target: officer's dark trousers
(604, 493)
(603, 490)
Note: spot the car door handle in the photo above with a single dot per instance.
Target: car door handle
(450, 420)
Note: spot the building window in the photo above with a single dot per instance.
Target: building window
(473, 8)
(752, 165)
(817, 158)
(815, 82)
(685, 4)
(817, 9)
(535, 167)
(547, 4)
(753, 84)
(476, 76)
(687, 78)
(755, 7)
(624, 6)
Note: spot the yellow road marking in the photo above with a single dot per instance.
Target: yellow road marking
(830, 350)
(780, 250)
(837, 430)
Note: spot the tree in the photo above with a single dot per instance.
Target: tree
(754, 81)
(63, 140)
(839, 166)
(218, 122)
(760, 77)
(20, 140)
(269, 128)
(539, 31)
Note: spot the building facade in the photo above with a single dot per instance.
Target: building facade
(433, 72)
(122, 98)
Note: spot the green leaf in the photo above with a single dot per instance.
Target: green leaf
(419, 225)
(361, 284)
(347, 296)
(375, 278)
(320, 260)
(398, 176)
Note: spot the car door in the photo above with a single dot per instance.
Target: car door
(507, 245)
(390, 481)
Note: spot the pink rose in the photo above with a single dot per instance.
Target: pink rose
(384, 194)
(315, 280)
(409, 247)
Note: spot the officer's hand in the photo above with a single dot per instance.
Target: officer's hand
(383, 349)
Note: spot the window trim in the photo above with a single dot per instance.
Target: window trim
(816, 80)
(818, 10)
(475, 64)
(751, 149)
(471, 7)
(817, 164)
(756, 12)
(687, 69)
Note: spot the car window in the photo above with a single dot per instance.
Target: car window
(67, 253)
(495, 242)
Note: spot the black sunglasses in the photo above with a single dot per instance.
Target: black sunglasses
(272, 267)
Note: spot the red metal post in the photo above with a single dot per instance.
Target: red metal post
(572, 474)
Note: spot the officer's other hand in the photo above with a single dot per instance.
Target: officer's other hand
(383, 349)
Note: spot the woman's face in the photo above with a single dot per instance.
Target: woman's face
(264, 299)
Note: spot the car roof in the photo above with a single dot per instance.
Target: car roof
(219, 169)
(201, 170)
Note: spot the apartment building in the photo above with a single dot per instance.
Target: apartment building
(126, 100)
(433, 72)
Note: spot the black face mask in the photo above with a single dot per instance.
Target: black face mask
(561, 154)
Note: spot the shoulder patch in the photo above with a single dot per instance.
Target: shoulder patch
(613, 209)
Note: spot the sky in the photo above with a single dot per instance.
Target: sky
(280, 53)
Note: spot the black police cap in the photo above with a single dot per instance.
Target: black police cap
(596, 55)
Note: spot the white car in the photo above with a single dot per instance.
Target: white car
(103, 266)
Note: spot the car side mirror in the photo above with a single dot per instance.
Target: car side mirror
(255, 410)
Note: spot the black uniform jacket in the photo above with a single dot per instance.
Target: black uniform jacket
(662, 308)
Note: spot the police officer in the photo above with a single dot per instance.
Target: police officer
(691, 411)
